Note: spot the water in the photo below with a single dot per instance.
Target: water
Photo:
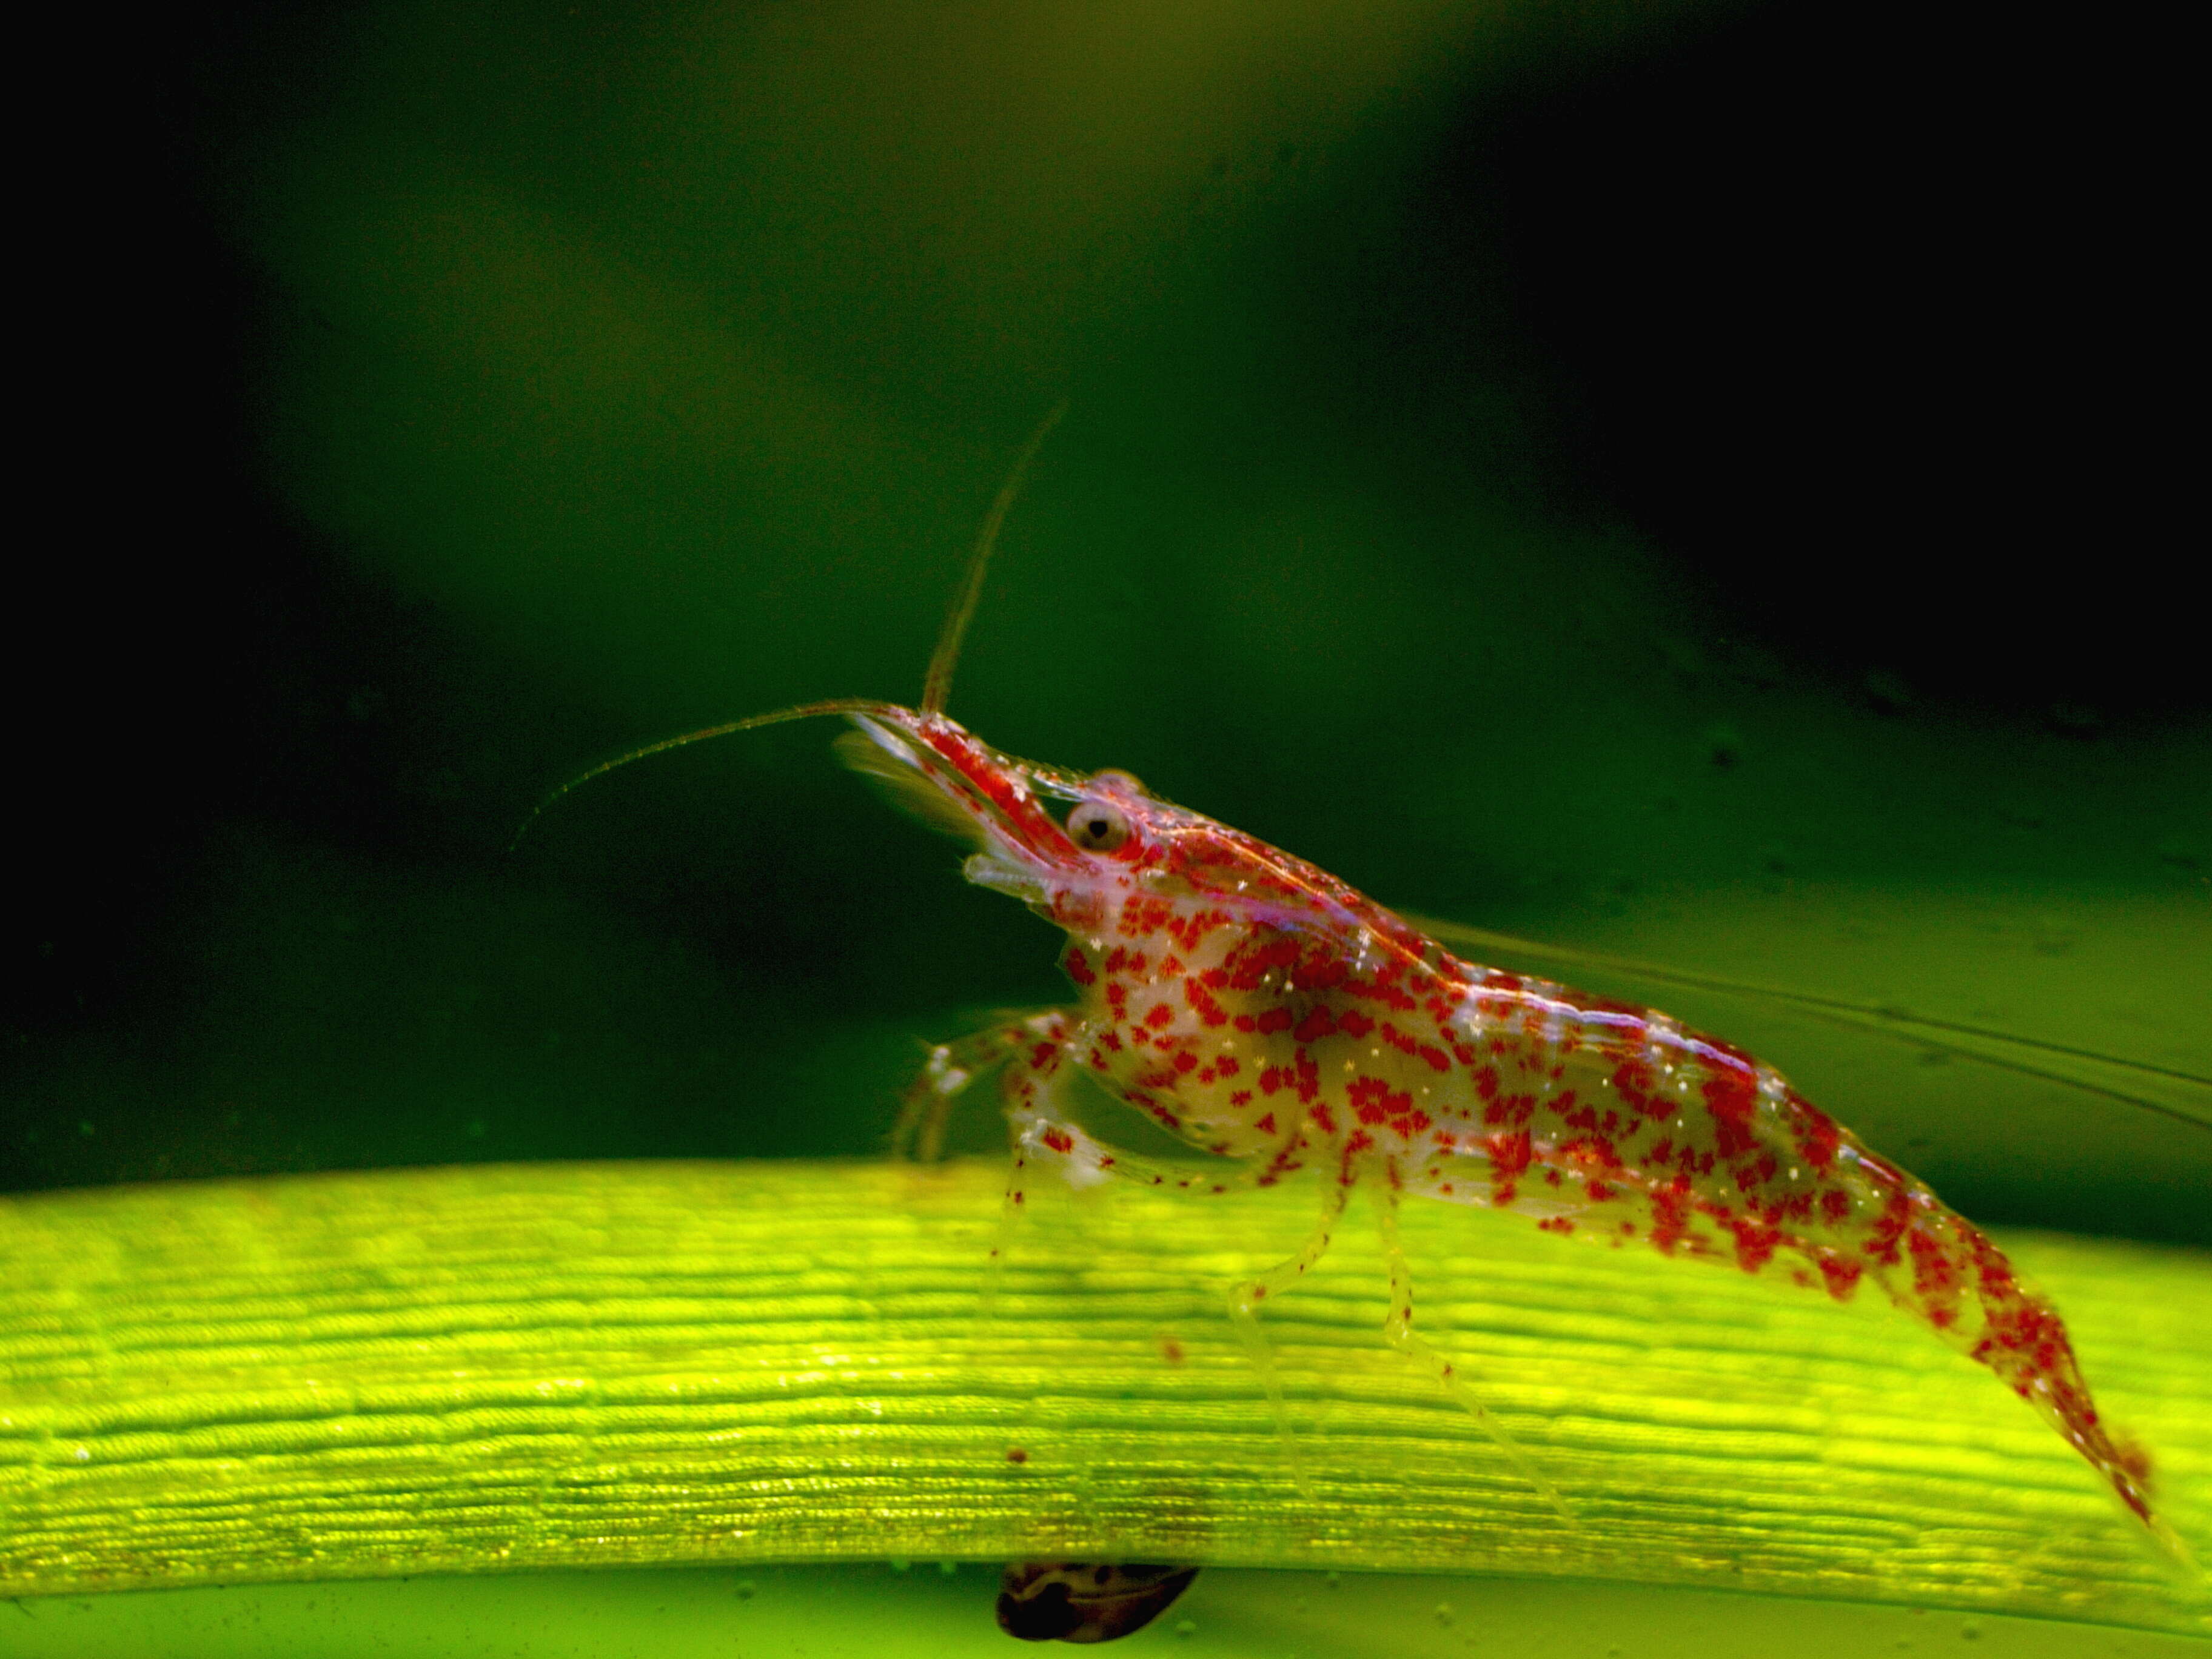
(601, 374)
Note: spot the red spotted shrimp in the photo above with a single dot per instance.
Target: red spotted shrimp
(1283, 1024)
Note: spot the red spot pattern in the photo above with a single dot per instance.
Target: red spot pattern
(1259, 980)
(1818, 1139)
(1375, 1102)
(1203, 1003)
(1733, 1099)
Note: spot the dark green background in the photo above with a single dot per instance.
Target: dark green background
(1561, 468)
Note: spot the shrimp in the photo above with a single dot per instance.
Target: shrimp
(1272, 1018)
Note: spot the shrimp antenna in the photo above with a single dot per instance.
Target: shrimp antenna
(937, 684)
(1928, 1032)
(800, 712)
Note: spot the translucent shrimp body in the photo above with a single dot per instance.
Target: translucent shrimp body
(1267, 1014)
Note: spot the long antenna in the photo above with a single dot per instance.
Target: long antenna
(802, 711)
(937, 685)
(1871, 1015)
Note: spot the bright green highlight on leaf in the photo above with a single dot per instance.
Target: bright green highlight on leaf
(589, 1364)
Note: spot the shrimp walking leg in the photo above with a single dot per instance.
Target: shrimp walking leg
(1087, 1158)
(1010, 1207)
(926, 1105)
(1244, 1305)
(1398, 1331)
(1039, 1136)
(1029, 1052)
(1025, 1051)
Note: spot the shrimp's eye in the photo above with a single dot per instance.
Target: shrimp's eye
(1097, 826)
